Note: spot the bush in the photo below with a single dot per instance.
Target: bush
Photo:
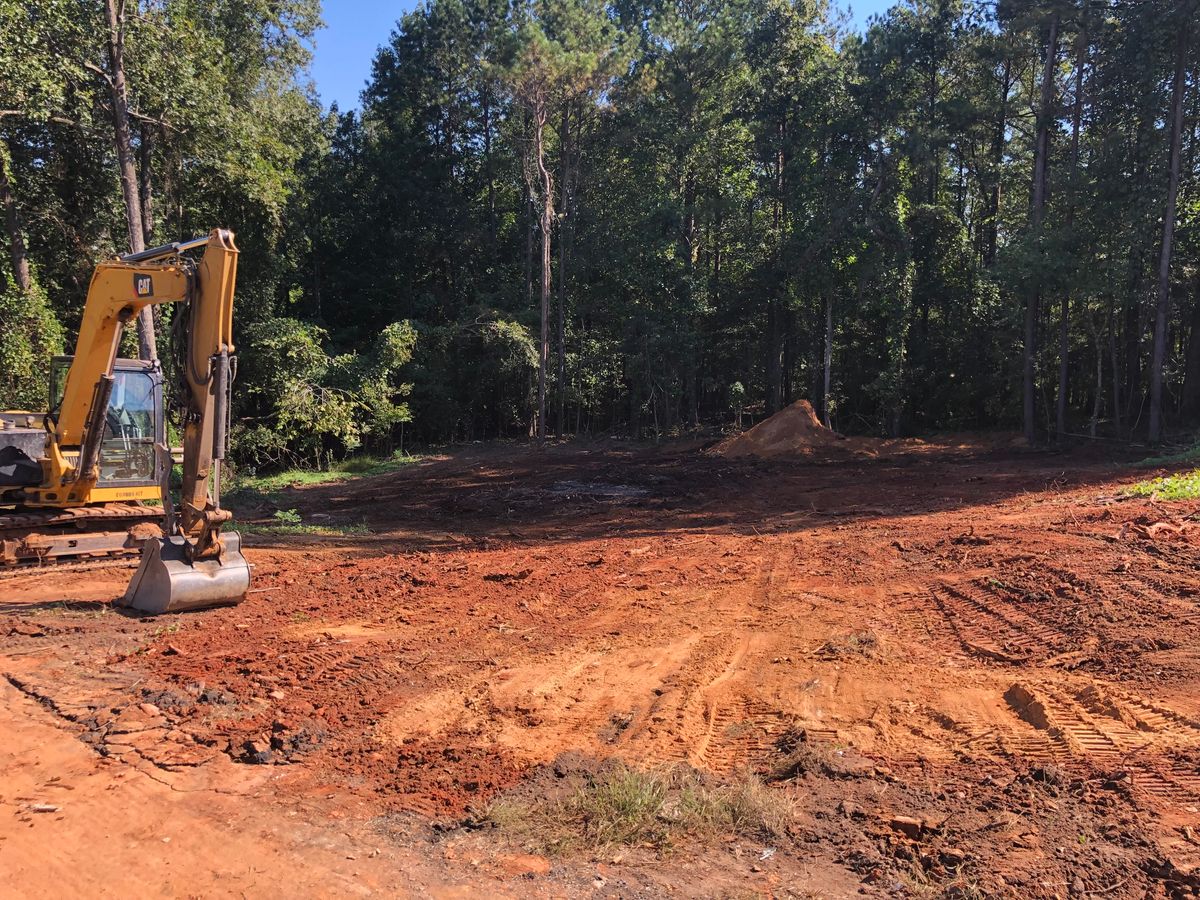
(299, 405)
(30, 336)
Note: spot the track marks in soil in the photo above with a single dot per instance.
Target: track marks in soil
(708, 714)
(990, 625)
(1098, 727)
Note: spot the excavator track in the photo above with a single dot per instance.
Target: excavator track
(61, 566)
(48, 538)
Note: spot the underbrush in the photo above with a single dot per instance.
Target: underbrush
(354, 467)
(630, 807)
(1185, 486)
(249, 489)
(289, 522)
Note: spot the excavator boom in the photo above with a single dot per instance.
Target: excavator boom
(194, 565)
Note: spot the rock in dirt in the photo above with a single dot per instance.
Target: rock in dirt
(907, 826)
(258, 752)
(792, 431)
(526, 864)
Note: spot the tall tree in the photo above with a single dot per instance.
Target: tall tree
(1163, 306)
(115, 16)
(1037, 214)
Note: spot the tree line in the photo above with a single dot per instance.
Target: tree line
(633, 216)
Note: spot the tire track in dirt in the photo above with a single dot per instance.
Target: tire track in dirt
(706, 715)
(991, 626)
(1110, 730)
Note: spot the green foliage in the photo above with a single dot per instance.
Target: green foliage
(313, 407)
(722, 176)
(1190, 454)
(30, 335)
(1185, 486)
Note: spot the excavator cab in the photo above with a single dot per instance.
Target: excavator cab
(133, 423)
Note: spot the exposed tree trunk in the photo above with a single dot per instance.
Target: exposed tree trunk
(1163, 308)
(1037, 214)
(1064, 324)
(146, 183)
(564, 213)
(114, 11)
(17, 250)
(775, 349)
(1098, 396)
(828, 361)
(488, 166)
(776, 338)
(546, 187)
(991, 228)
(1190, 405)
(1116, 372)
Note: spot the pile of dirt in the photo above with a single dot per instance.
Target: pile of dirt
(791, 431)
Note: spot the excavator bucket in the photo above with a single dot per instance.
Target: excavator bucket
(166, 582)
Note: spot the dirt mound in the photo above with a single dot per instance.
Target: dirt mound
(793, 430)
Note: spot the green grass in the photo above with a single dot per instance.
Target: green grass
(271, 530)
(268, 490)
(289, 522)
(630, 807)
(355, 467)
(1185, 486)
(1190, 455)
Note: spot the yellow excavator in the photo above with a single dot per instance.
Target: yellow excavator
(78, 482)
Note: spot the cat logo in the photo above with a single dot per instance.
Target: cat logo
(143, 285)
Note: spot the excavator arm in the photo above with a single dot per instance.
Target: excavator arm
(120, 289)
(194, 565)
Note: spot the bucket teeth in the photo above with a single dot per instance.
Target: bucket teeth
(166, 582)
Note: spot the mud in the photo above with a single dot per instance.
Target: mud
(984, 641)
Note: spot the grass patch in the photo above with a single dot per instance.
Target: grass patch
(252, 490)
(249, 489)
(1190, 455)
(858, 643)
(289, 522)
(271, 530)
(1185, 486)
(629, 807)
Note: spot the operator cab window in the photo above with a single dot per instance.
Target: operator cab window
(127, 451)
(130, 423)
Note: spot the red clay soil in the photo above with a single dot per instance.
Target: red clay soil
(793, 431)
(974, 669)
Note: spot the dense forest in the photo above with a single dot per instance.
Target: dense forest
(634, 216)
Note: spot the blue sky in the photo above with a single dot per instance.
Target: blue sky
(354, 29)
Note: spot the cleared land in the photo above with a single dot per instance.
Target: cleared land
(953, 668)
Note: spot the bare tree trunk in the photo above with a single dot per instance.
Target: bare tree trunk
(776, 336)
(564, 213)
(1064, 325)
(1116, 371)
(1037, 214)
(828, 360)
(487, 165)
(114, 11)
(547, 222)
(992, 214)
(1158, 360)
(17, 250)
(145, 183)
(1099, 388)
